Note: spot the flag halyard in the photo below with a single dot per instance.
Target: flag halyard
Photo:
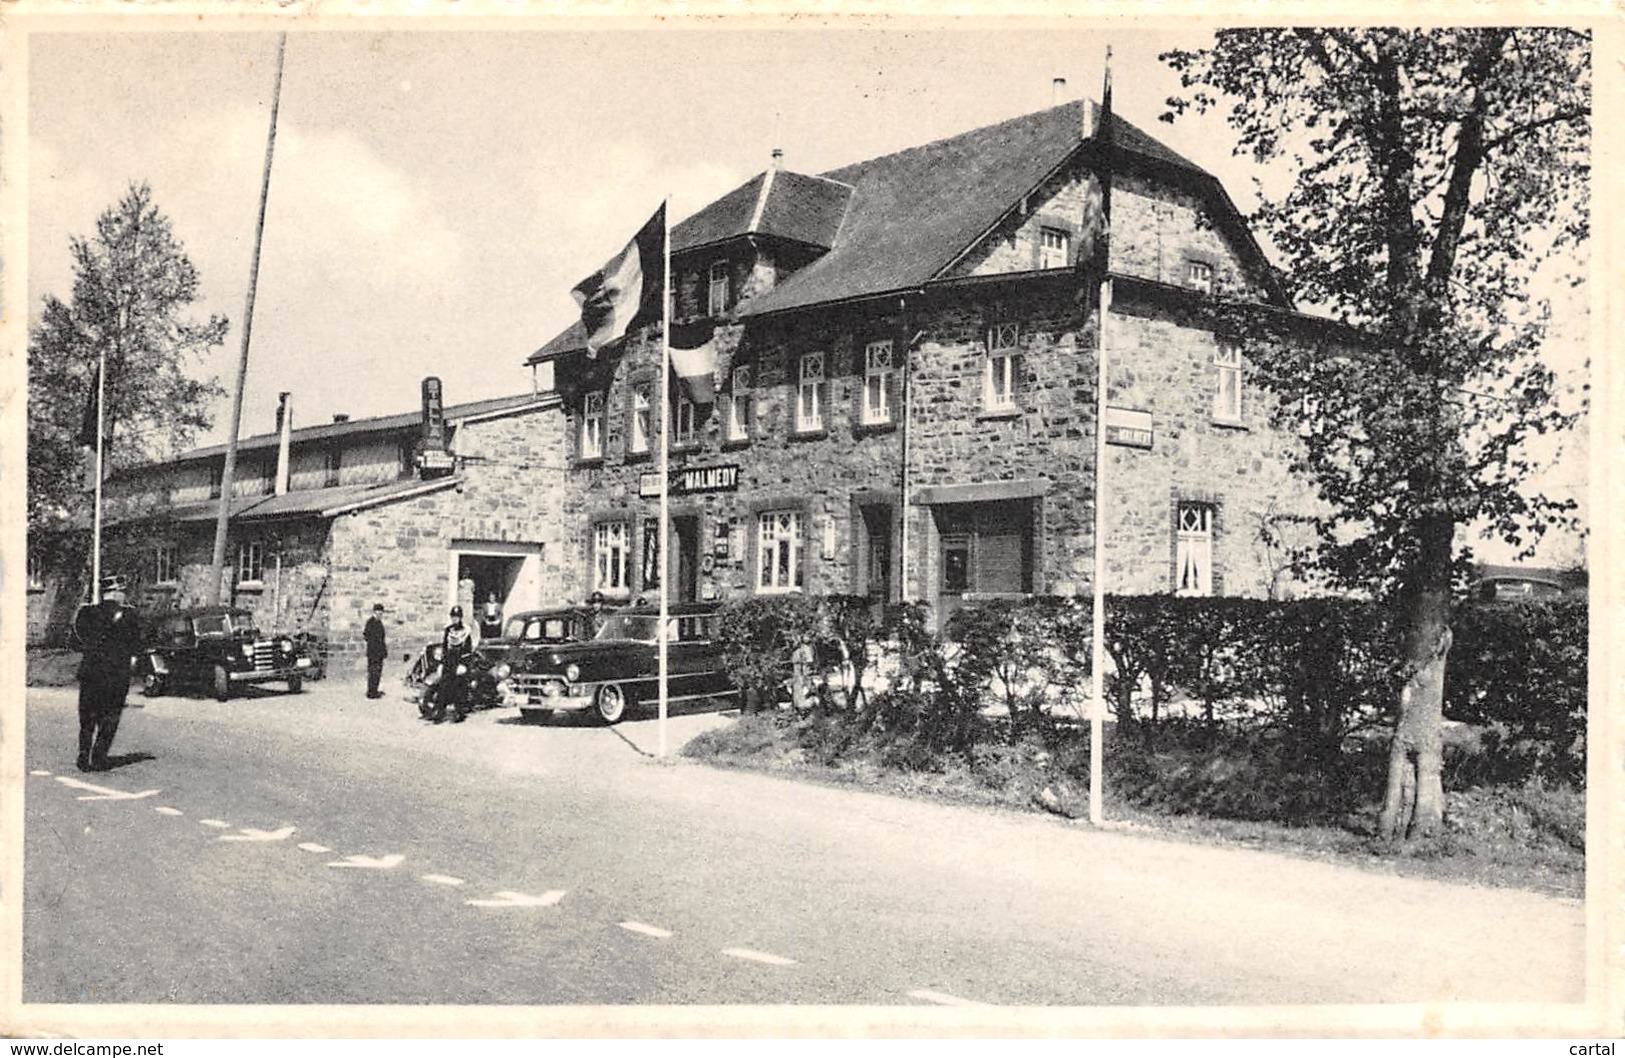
(629, 291)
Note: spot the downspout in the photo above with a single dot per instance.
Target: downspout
(908, 417)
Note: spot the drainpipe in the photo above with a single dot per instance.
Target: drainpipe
(908, 416)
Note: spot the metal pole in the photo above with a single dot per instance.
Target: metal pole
(1097, 658)
(228, 472)
(665, 445)
(96, 516)
(908, 414)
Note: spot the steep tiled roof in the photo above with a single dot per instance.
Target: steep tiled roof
(914, 211)
(336, 499)
(908, 215)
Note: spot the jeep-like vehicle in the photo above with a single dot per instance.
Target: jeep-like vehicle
(217, 648)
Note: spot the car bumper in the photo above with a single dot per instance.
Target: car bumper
(547, 695)
(281, 672)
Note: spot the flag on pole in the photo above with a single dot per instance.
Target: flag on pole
(629, 290)
(1101, 220)
(90, 431)
(696, 369)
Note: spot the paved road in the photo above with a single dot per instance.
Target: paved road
(327, 849)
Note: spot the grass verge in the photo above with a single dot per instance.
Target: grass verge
(1231, 791)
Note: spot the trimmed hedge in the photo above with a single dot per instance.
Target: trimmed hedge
(1312, 671)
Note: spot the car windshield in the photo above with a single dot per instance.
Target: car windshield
(641, 627)
(515, 628)
(224, 624)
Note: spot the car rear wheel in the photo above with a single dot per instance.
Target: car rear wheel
(152, 685)
(296, 684)
(611, 703)
(222, 683)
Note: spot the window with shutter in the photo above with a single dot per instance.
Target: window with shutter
(739, 404)
(609, 548)
(778, 552)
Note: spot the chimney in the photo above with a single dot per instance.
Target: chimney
(778, 158)
(284, 426)
(339, 416)
(1057, 92)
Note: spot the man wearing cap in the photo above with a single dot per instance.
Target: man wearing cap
(110, 636)
(377, 649)
(456, 643)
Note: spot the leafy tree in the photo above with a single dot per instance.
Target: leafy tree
(1433, 173)
(132, 284)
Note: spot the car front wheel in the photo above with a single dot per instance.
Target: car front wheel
(152, 685)
(296, 684)
(611, 702)
(222, 683)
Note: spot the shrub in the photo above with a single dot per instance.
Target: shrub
(759, 636)
(1522, 668)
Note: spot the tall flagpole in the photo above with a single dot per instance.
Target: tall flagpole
(665, 447)
(96, 516)
(1097, 659)
(229, 471)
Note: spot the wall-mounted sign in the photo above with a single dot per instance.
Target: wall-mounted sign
(436, 459)
(434, 415)
(1128, 428)
(690, 480)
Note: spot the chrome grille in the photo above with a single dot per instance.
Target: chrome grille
(264, 655)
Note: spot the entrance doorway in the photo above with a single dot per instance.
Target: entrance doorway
(685, 533)
(510, 572)
(986, 549)
(875, 556)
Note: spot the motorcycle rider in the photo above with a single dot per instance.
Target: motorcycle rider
(456, 645)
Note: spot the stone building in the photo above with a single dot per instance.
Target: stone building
(897, 386)
(357, 520)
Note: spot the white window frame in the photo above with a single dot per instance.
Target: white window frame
(686, 415)
(878, 368)
(1193, 548)
(810, 393)
(779, 552)
(1057, 256)
(592, 426)
(642, 417)
(739, 398)
(611, 553)
(717, 283)
(251, 562)
(999, 372)
(164, 563)
(1199, 276)
(1227, 384)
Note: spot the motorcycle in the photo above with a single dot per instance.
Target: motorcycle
(468, 686)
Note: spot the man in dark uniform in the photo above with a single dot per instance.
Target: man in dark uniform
(456, 643)
(110, 636)
(377, 649)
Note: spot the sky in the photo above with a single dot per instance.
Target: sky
(436, 194)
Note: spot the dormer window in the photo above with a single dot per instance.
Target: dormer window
(1199, 276)
(717, 297)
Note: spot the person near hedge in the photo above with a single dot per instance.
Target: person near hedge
(377, 649)
(110, 637)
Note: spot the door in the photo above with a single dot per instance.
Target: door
(686, 533)
(877, 552)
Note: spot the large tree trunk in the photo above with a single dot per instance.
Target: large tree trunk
(1414, 805)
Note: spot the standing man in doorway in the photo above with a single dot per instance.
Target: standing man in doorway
(377, 649)
(491, 618)
(110, 636)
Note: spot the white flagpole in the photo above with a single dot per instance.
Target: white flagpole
(96, 516)
(1097, 659)
(665, 447)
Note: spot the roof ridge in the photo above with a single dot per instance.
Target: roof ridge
(1027, 116)
(761, 200)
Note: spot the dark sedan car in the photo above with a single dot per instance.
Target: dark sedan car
(217, 648)
(619, 668)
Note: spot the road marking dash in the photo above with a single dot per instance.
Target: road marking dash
(219, 823)
(509, 898)
(944, 998)
(39, 771)
(645, 929)
(441, 879)
(168, 811)
(311, 846)
(758, 956)
(373, 863)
